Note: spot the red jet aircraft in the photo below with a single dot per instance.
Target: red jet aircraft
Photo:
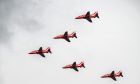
(74, 66)
(88, 16)
(41, 52)
(66, 36)
(113, 75)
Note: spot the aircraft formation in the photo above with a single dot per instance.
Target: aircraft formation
(66, 36)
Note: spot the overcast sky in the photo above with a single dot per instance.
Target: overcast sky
(111, 42)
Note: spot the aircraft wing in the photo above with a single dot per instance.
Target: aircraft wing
(42, 54)
(89, 19)
(113, 78)
(112, 73)
(87, 14)
(40, 49)
(74, 66)
(66, 34)
(67, 39)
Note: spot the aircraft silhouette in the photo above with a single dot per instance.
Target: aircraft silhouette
(74, 66)
(88, 16)
(66, 36)
(41, 51)
(113, 75)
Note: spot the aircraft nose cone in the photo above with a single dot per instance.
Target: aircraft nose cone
(54, 38)
(63, 67)
(102, 76)
(76, 18)
(30, 53)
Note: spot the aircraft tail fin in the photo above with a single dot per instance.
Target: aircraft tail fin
(74, 34)
(82, 64)
(120, 73)
(49, 50)
(97, 15)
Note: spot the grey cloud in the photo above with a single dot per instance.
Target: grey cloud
(22, 14)
(5, 34)
(135, 3)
